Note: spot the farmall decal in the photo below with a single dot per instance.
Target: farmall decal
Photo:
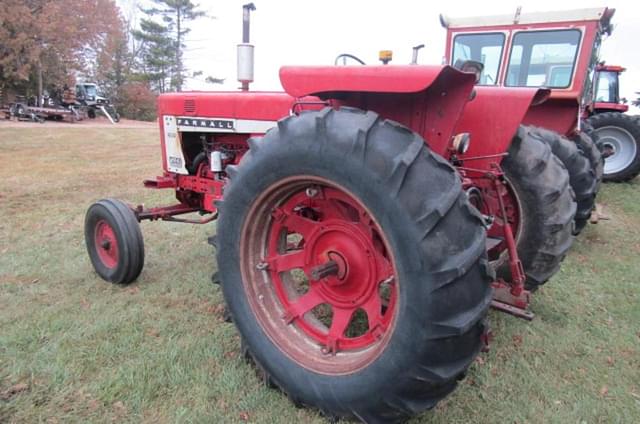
(217, 124)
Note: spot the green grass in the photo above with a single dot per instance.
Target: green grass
(76, 349)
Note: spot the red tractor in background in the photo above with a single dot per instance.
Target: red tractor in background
(606, 91)
(616, 132)
(556, 50)
(368, 216)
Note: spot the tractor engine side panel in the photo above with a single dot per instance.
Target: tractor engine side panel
(182, 116)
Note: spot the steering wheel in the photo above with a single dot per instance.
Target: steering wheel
(344, 57)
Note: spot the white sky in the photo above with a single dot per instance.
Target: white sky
(289, 32)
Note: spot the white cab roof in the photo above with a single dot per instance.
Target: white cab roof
(591, 14)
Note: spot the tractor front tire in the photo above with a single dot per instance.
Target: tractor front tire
(582, 177)
(618, 137)
(353, 265)
(114, 241)
(547, 207)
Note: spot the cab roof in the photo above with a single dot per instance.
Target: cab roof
(602, 14)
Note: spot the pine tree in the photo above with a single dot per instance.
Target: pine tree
(157, 54)
(175, 14)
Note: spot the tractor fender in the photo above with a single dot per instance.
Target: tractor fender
(493, 118)
(300, 81)
(427, 99)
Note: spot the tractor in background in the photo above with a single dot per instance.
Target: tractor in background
(368, 217)
(89, 96)
(616, 133)
(557, 50)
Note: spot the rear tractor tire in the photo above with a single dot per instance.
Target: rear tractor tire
(582, 177)
(544, 205)
(357, 288)
(588, 144)
(618, 137)
(114, 241)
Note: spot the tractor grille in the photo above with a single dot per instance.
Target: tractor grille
(189, 106)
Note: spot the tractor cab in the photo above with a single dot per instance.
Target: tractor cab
(606, 91)
(90, 94)
(544, 49)
(555, 50)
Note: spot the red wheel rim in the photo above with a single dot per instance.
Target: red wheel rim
(106, 244)
(488, 204)
(319, 275)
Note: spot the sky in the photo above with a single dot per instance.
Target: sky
(289, 32)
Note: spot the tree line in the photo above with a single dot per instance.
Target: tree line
(48, 44)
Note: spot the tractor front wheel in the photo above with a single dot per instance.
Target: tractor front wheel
(114, 241)
(353, 265)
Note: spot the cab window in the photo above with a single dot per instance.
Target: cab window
(485, 48)
(543, 58)
(607, 87)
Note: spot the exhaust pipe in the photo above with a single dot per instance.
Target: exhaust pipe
(416, 49)
(245, 49)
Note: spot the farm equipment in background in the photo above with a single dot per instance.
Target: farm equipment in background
(556, 50)
(89, 96)
(24, 110)
(368, 216)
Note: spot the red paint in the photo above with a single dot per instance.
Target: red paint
(610, 107)
(261, 106)
(559, 115)
(106, 244)
(332, 226)
(301, 81)
(492, 119)
(561, 112)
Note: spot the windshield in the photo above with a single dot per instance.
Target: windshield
(485, 48)
(607, 87)
(543, 58)
(91, 90)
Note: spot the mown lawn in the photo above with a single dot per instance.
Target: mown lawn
(76, 349)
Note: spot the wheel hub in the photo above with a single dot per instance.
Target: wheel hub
(321, 275)
(619, 148)
(106, 244)
(354, 278)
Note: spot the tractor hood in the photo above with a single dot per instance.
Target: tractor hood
(299, 81)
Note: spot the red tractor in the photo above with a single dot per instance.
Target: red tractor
(559, 51)
(368, 216)
(617, 133)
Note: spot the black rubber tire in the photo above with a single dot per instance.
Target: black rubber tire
(437, 238)
(541, 184)
(129, 237)
(91, 113)
(582, 177)
(632, 126)
(586, 140)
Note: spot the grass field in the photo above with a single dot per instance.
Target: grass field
(76, 349)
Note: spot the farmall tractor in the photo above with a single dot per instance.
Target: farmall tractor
(559, 51)
(368, 217)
